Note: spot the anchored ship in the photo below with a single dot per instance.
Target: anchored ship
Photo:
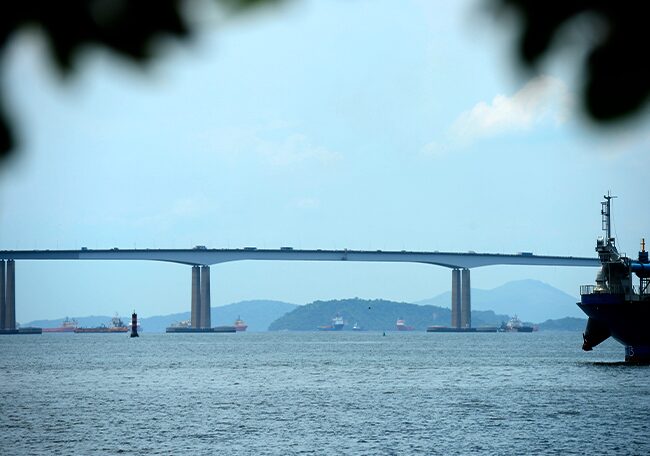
(337, 324)
(117, 326)
(240, 325)
(67, 326)
(402, 326)
(617, 305)
(185, 326)
(515, 325)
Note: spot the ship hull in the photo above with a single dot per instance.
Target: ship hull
(216, 329)
(449, 329)
(625, 321)
(23, 330)
(330, 328)
(58, 330)
(101, 330)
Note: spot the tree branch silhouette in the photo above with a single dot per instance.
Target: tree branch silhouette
(616, 75)
(127, 28)
(617, 78)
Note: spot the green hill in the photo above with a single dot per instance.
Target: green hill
(564, 324)
(374, 315)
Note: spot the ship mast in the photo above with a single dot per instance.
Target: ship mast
(606, 212)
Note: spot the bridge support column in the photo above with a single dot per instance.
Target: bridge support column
(195, 318)
(455, 298)
(206, 320)
(465, 301)
(3, 299)
(10, 296)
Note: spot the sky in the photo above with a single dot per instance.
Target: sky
(321, 124)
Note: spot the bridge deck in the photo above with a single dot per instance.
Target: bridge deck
(215, 256)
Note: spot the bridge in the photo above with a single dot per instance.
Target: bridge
(200, 258)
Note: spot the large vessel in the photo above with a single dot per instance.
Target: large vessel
(516, 325)
(240, 325)
(67, 326)
(402, 326)
(185, 326)
(615, 306)
(337, 324)
(116, 326)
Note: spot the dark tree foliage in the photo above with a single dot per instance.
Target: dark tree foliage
(128, 28)
(616, 74)
(617, 79)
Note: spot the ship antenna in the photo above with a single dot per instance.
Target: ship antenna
(606, 212)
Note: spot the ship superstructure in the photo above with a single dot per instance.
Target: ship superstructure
(401, 325)
(618, 305)
(66, 326)
(337, 324)
(240, 325)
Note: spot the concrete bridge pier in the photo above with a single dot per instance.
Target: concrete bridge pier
(461, 299)
(200, 316)
(8, 295)
(465, 301)
(195, 318)
(3, 299)
(455, 298)
(206, 320)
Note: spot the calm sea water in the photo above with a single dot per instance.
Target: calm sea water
(319, 393)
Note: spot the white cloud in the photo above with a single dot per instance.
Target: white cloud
(273, 146)
(543, 100)
(305, 203)
(293, 149)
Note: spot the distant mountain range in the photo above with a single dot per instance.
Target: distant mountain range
(532, 300)
(258, 315)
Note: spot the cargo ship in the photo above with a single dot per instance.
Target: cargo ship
(402, 326)
(450, 329)
(185, 326)
(67, 326)
(337, 324)
(117, 326)
(617, 306)
(240, 325)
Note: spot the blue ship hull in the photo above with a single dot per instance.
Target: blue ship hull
(610, 315)
(618, 304)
